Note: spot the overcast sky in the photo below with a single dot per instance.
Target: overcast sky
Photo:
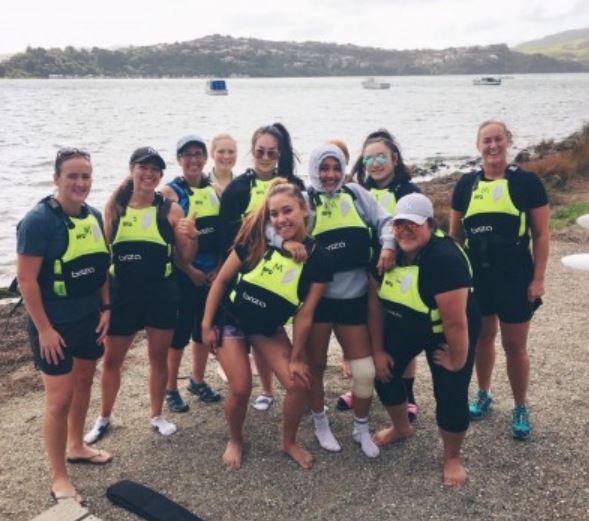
(391, 24)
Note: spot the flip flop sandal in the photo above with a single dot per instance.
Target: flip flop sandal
(64, 497)
(95, 459)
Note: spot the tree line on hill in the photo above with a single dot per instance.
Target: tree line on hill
(225, 56)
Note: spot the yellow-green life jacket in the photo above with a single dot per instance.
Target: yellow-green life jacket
(83, 267)
(258, 191)
(269, 292)
(386, 198)
(142, 245)
(339, 229)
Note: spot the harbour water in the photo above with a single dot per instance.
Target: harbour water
(431, 117)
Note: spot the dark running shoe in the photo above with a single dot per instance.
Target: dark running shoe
(203, 391)
(174, 401)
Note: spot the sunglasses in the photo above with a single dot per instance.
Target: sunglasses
(369, 160)
(259, 153)
(402, 224)
(198, 154)
(66, 152)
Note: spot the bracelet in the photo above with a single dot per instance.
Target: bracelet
(105, 307)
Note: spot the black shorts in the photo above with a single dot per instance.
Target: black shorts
(80, 342)
(190, 312)
(151, 305)
(506, 297)
(346, 312)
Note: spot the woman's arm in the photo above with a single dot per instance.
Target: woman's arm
(383, 362)
(539, 218)
(452, 306)
(103, 323)
(455, 229)
(226, 274)
(50, 341)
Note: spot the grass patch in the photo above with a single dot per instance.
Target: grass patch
(566, 215)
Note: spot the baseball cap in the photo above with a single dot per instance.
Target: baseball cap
(147, 154)
(416, 208)
(188, 139)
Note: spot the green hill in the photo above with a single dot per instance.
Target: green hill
(568, 45)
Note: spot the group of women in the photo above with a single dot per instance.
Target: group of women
(229, 262)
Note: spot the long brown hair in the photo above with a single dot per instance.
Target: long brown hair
(118, 201)
(252, 234)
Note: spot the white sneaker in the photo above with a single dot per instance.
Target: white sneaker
(263, 402)
(98, 431)
(163, 426)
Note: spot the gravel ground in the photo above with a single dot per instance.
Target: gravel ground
(545, 478)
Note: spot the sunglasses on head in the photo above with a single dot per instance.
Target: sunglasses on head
(66, 152)
(379, 158)
(259, 153)
(404, 224)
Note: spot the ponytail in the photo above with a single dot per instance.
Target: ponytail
(118, 201)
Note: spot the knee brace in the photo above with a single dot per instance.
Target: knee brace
(362, 377)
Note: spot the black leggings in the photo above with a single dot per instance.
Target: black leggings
(450, 387)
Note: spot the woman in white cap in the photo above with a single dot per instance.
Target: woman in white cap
(196, 196)
(425, 303)
(145, 232)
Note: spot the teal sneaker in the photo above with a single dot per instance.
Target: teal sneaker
(203, 391)
(479, 409)
(520, 422)
(174, 401)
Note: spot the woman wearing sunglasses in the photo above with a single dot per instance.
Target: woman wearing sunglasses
(342, 218)
(271, 288)
(382, 170)
(145, 232)
(273, 155)
(62, 271)
(425, 303)
(501, 208)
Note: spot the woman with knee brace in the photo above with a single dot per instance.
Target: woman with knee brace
(271, 287)
(342, 218)
(425, 303)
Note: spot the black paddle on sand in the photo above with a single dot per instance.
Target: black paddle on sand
(147, 503)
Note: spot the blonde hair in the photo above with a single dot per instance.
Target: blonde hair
(488, 122)
(342, 146)
(220, 137)
(252, 234)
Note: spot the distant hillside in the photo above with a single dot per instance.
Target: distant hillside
(568, 45)
(226, 56)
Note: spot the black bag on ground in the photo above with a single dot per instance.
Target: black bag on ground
(147, 503)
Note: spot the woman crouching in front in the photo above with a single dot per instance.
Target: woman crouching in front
(271, 288)
(425, 303)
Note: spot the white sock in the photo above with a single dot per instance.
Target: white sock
(163, 426)
(97, 431)
(323, 432)
(361, 435)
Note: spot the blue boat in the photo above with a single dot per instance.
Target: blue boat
(217, 88)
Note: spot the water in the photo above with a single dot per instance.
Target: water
(430, 116)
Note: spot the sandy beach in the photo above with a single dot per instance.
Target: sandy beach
(545, 478)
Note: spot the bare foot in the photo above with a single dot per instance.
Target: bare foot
(88, 455)
(454, 473)
(390, 435)
(232, 455)
(62, 489)
(300, 455)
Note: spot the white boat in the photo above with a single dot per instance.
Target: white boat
(372, 83)
(487, 80)
(217, 88)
